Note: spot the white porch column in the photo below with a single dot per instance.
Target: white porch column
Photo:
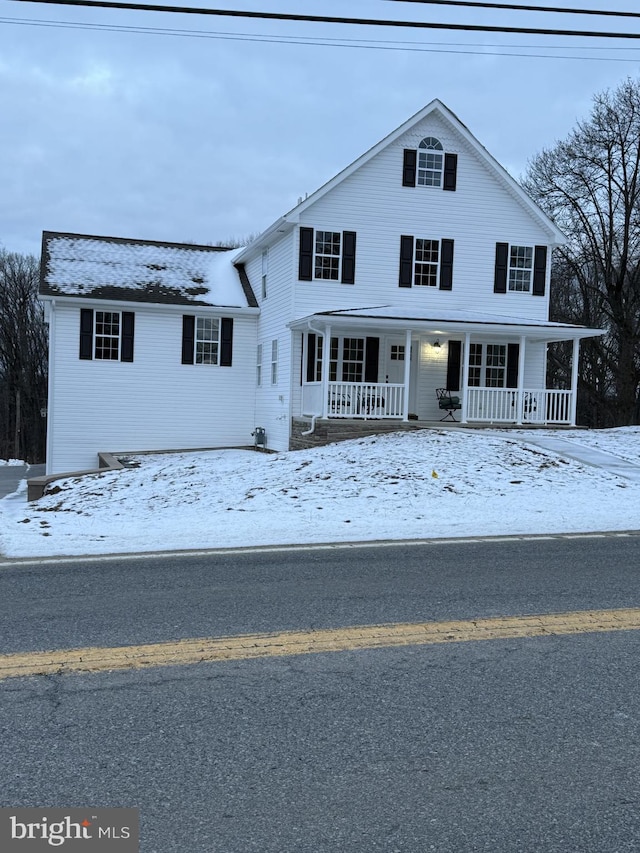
(407, 375)
(465, 377)
(326, 355)
(520, 394)
(574, 380)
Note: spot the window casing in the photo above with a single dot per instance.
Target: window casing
(430, 162)
(488, 362)
(426, 263)
(347, 360)
(107, 335)
(327, 255)
(274, 362)
(259, 366)
(520, 268)
(207, 340)
(265, 272)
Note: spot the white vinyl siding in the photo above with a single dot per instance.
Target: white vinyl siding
(373, 203)
(162, 405)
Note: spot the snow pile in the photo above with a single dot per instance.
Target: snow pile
(423, 484)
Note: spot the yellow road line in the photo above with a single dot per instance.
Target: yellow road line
(245, 646)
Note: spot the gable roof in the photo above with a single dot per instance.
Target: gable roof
(290, 219)
(117, 268)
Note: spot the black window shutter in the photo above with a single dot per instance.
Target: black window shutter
(450, 172)
(453, 365)
(86, 333)
(226, 341)
(539, 270)
(409, 167)
(128, 328)
(349, 257)
(513, 357)
(305, 265)
(446, 264)
(188, 338)
(500, 274)
(406, 261)
(371, 352)
(311, 357)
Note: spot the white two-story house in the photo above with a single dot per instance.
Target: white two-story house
(422, 266)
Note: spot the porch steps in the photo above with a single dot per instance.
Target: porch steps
(342, 429)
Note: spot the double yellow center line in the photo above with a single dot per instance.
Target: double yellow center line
(284, 643)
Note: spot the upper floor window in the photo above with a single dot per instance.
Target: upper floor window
(429, 166)
(265, 272)
(426, 263)
(520, 269)
(106, 335)
(430, 162)
(327, 255)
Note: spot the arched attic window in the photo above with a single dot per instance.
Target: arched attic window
(430, 162)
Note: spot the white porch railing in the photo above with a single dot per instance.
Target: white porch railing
(365, 400)
(540, 406)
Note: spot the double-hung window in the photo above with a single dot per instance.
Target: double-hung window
(259, 366)
(327, 255)
(207, 340)
(106, 335)
(274, 362)
(487, 362)
(426, 263)
(520, 268)
(430, 162)
(429, 166)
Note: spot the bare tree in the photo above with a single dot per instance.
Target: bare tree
(590, 185)
(23, 359)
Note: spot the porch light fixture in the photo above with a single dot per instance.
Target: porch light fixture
(436, 343)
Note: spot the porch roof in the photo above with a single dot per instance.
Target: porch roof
(442, 322)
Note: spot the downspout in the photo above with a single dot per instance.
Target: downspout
(314, 418)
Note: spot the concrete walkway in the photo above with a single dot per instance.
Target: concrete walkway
(586, 455)
(12, 475)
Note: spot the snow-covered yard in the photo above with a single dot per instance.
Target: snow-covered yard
(435, 483)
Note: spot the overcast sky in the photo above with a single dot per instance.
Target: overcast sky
(212, 134)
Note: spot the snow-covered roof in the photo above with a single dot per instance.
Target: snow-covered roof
(115, 268)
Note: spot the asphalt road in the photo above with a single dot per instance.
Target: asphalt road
(501, 746)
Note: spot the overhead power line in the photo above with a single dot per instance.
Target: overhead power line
(455, 48)
(518, 8)
(327, 19)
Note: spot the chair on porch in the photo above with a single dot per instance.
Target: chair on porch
(447, 402)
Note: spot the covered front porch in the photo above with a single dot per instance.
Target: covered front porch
(387, 367)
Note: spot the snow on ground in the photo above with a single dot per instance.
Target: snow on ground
(413, 485)
(11, 462)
